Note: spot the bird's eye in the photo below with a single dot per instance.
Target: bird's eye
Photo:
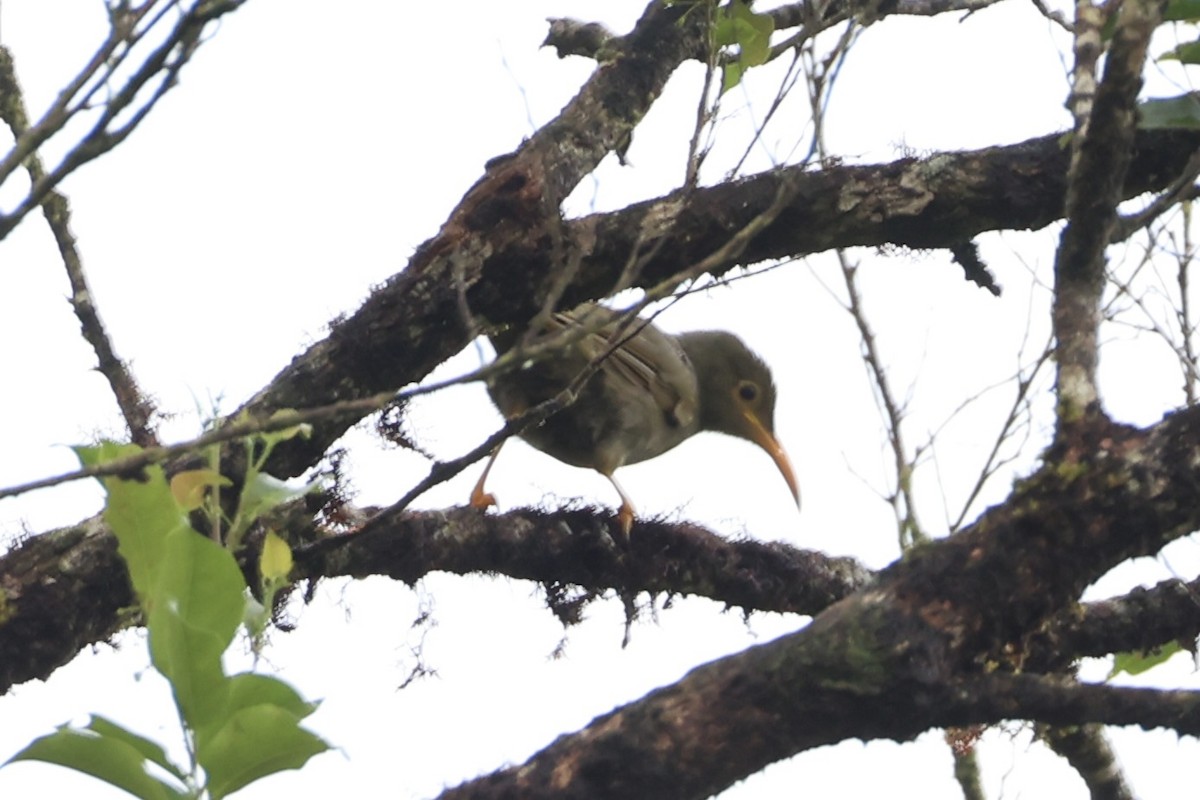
(748, 391)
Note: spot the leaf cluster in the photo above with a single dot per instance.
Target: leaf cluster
(193, 597)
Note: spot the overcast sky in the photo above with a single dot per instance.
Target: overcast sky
(310, 148)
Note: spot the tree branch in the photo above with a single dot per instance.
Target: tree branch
(1140, 621)
(64, 590)
(123, 111)
(927, 645)
(1020, 185)
(1101, 148)
(1088, 751)
(400, 334)
(136, 407)
(576, 547)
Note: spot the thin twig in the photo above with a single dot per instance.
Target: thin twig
(162, 64)
(902, 500)
(1187, 328)
(136, 407)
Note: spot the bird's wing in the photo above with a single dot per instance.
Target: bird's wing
(647, 358)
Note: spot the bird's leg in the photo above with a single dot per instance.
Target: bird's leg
(625, 512)
(480, 498)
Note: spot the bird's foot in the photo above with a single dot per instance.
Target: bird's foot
(625, 520)
(481, 499)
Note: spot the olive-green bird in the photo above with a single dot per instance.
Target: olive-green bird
(652, 392)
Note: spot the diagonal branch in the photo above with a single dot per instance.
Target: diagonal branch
(401, 333)
(926, 645)
(129, 104)
(136, 407)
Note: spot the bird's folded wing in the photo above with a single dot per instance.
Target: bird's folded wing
(647, 359)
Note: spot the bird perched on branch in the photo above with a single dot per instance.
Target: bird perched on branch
(649, 391)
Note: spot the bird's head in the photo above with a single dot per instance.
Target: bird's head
(737, 394)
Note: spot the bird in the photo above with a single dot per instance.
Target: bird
(650, 392)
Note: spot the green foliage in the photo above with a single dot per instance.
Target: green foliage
(1170, 112)
(260, 492)
(1137, 663)
(1188, 53)
(1182, 112)
(736, 24)
(193, 597)
(1182, 11)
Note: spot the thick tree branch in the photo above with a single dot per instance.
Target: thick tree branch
(64, 590)
(404, 330)
(929, 644)
(922, 203)
(577, 547)
(506, 222)
(1140, 621)
(947, 611)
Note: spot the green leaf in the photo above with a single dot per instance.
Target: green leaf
(275, 563)
(266, 492)
(1170, 112)
(255, 618)
(103, 453)
(262, 493)
(196, 609)
(272, 438)
(725, 30)
(753, 34)
(141, 513)
(149, 749)
(190, 487)
(1182, 11)
(255, 742)
(738, 25)
(106, 755)
(731, 75)
(251, 689)
(274, 566)
(1137, 663)
(1188, 53)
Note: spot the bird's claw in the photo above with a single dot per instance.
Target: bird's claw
(625, 520)
(482, 500)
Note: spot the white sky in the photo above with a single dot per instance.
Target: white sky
(310, 148)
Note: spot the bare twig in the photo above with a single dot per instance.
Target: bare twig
(1187, 327)
(1175, 328)
(902, 500)
(994, 462)
(134, 464)
(820, 84)
(127, 106)
(1054, 16)
(136, 407)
